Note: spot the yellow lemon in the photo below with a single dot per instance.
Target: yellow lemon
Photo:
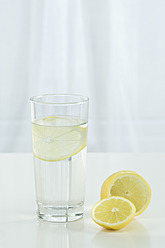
(114, 212)
(130, 185)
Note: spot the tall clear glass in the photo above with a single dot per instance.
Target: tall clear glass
(59, 136)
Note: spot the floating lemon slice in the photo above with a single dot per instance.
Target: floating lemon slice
(113, 213)
(129, 185)
(58, 138)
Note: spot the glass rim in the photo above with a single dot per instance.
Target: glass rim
(36, 98)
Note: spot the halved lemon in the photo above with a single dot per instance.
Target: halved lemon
(129, 185)
(114, 212)
(58, 138)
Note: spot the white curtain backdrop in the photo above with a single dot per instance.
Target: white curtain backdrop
(110, 50)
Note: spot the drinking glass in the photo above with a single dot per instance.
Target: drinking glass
(59, 137)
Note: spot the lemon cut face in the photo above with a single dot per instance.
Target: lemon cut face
(58, 138)
(113, 213)
(130, 185)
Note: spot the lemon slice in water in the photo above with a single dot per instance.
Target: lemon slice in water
(58, 138)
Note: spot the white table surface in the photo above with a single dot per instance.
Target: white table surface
(20, 227)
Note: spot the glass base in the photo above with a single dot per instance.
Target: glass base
(60, 214)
